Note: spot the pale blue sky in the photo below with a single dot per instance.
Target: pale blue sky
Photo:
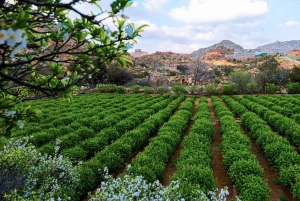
(184, 26)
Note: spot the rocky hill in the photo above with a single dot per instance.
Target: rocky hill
(280, 47)
(218, 53)
(158, 59)
(138, 53)
(225, 43)
(295, 52)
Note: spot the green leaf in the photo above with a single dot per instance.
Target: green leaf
(120, 23)
(128, 4)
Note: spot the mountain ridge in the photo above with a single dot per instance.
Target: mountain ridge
(270, 48)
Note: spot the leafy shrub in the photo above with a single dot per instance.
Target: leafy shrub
(162, 89)
(103, 88)
(229, 88)
(254, 188)
(197, 175)
(31, 176)
(210, 89)
(251, 87)
(177, 89)
(242, 168)
(137, 188)
(135, 89)
(272, 88)
(75, 153)
(148, 90)
(120, 89)
(293, 88)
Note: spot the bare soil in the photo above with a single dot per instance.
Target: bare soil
(219, 170)
(170, 167)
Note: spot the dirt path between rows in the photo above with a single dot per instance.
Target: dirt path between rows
(219, 170)
(170, 167)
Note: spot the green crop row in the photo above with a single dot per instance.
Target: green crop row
(71, 140)
(193, 167)
(243, 167)
(285, 102)
(120, 150)
(56, 119)
(87, 149)
(276, 148)
(271, 104)
(289, 102)
(284, 125)
(152, 161)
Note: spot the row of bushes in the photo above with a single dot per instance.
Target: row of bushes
(289, 108)
(272, 104)
(151, 162)
(284, 125)
(88, 148)
(242, 165)
(117, 153)
(130, 115)
(193, 167)
(56, 118)
(276, 149)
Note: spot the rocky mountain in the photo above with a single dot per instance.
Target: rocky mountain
(159, 59)
(225, 43)
(218, 53)
(280, 47)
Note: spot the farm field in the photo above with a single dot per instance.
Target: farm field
(249, 144)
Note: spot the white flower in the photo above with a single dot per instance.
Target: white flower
(129, 31)
(65, 79)
(90, 77)
(9, 113)
(14, 37)
(3, 36)
(21, 124)
(127, 47)
(19, 47)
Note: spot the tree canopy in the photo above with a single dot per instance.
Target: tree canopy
(43, 52)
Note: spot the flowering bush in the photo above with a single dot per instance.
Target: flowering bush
(25, 174)
(131, 187)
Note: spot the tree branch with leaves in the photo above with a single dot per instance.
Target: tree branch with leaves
(39, 43)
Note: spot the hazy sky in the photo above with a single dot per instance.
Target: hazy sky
(184, 26)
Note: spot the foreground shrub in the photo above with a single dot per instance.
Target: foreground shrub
(131, 187)
(25, 174)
